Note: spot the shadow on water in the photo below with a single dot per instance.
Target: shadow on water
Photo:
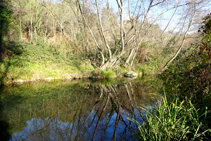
(75, 110)
(4, 125)
(4, 130)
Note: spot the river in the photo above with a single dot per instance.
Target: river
(75, 109)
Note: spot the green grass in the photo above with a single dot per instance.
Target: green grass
(171, 121)
(40, 60)
(26, 61)
(108, 74)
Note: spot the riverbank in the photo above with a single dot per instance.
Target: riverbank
(41, 72)
(24, 61)
(74, 76)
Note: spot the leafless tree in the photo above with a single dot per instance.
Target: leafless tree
(142, 17)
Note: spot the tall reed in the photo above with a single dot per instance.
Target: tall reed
(171, 121)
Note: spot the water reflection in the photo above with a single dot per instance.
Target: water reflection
(80, 111)
(4, 133)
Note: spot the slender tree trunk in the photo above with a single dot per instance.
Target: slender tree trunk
(61, 32)
(31, 21)
(130, 55)
(180, 48)
(101, 30)
(20, 29)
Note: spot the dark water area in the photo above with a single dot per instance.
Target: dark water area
(75, 110)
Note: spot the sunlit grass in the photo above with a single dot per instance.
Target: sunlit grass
(41, 61)
(171, 121)
(108, 73)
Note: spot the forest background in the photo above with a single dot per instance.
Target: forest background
(58, 39)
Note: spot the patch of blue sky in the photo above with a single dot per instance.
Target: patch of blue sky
(164, 19)
(154, 13)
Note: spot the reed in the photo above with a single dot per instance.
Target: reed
(166, 120)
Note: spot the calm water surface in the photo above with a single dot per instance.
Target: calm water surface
(74, 110)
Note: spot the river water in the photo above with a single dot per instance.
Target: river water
(75, 110)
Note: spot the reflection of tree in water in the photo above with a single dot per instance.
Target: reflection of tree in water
(4, 125)
(92, 112)
(4, 130)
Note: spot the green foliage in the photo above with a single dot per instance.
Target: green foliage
(186, 84)
(107, 81)
(168, 49)
(151, 57)
(206, 27)
(5, 17)
(189, 79)
(205, 46)
(171, 121)
(190, 74)
(108, 73)
(193, 85)
(37, 61)
(117, 44)
(13, 48)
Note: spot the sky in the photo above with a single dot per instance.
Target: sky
(163, 21)
(153, 14)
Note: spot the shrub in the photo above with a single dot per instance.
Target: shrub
(108, 73)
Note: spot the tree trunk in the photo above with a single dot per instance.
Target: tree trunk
(180, 48)
(128, 59)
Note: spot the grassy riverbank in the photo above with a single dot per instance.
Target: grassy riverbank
(40, 47)
(24, 61)
(30, 62)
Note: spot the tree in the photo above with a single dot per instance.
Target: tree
(114, 35)
(5, 18)
(143, 15)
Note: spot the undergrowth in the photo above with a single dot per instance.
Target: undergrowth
(23, 60)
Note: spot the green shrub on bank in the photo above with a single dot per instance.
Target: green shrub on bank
(190, 76)
(108, 73)
(172, 121)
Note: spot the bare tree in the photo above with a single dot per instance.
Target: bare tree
(114, 34)
(141, 19)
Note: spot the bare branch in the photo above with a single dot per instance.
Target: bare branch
(178, 51)
(101, 29)
(91, 33)
(158, 3)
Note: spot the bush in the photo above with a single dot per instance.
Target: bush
(108, 73)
